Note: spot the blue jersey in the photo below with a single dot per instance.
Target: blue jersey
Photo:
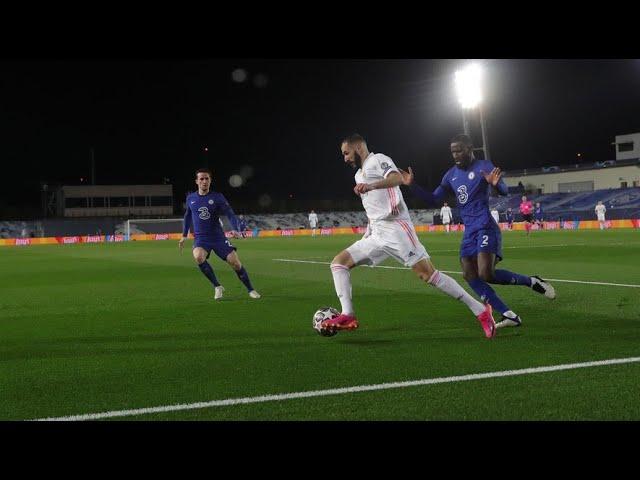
(509, 216)
(203, 216)
(537, 213)
(472, 193)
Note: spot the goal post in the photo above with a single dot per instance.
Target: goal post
(136, 226)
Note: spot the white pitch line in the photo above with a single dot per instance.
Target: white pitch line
(339, 391)
(460, 273)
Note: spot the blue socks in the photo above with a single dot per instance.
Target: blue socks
(206, 269)
(501, 277)
(488, 294)
(505, 277)
(244, 278)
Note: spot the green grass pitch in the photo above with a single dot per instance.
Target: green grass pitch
(109, 327)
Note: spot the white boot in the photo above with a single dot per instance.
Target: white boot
(219, 292)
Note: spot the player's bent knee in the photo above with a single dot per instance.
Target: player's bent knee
(344, 259)
(424, 269)
(234, 261)
(486, 276)
(469, 276)
(200, 256)
(424, 276)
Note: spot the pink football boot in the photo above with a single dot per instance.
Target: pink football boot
(487, 322)
(341, 322)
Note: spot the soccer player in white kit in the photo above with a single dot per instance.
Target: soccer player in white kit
(313, 222)
(390, 233)
(600, 211)
(446, 215)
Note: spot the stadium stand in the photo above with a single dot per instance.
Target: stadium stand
(20, 229)
(325, 219)
(620, 203)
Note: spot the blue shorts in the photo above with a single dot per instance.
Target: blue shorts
(488, 240)
(222, 248)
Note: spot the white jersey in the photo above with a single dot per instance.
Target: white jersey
(445, 214)
(600, 210)
(313, 220)
(383, 203)
(496, 215)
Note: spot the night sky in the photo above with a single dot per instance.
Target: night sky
(150, 120)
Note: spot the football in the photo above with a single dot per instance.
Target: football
(321, 315)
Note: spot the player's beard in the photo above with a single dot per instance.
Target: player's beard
(464, 162)
(357, 163)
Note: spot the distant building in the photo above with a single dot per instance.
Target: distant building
(627, 146)
(578, 178)
(623, 172)
(115, 200)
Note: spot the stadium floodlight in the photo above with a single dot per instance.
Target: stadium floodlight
(469, 90)
(469, 86)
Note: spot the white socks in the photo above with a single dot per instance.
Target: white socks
(342, 281)
(452, 288)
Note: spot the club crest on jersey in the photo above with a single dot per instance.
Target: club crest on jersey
(472, 175)
(210, 202)
(204, 213)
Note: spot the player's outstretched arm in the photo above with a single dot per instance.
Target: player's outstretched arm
(495, 180)
(431, 199)
(493, 177)
(185, 228)
(394, 179)
(233, 219)
(407, 177)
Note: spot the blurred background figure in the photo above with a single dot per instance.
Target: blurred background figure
(313, 222)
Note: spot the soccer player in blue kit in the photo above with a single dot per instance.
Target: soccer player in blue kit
(509, 217)
(538, 216)
(204, 208)
(481, 249)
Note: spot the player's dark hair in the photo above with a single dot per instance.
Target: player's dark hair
(204, 170)
(353, 139)
(464, 139)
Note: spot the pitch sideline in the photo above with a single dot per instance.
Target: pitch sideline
(340, 391)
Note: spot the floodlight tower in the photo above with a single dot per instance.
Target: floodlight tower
(469, 90)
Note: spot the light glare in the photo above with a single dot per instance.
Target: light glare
(235, 181)
(468, 86)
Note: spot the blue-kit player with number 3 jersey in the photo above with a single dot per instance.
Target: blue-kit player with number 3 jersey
(471, 180)
(203, 211)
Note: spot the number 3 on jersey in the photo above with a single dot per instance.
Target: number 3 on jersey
(463, 196)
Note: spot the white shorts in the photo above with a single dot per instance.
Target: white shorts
(446, 222)
(601, 218)
(392, 238)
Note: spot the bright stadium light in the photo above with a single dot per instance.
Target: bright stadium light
(469, 89)
(469, 86)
